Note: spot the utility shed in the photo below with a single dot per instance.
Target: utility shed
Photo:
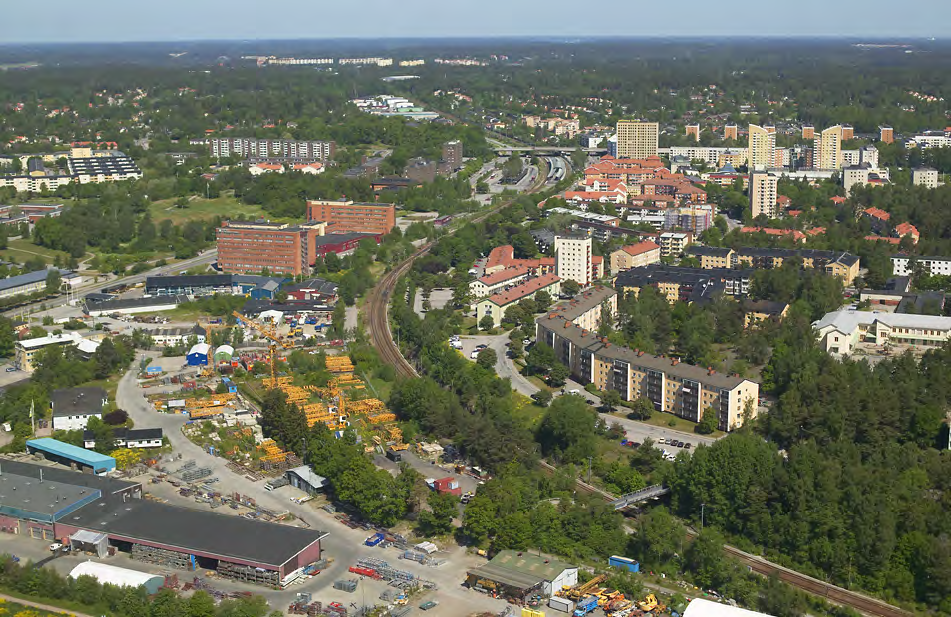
(306, 480)
(705, 608)
(71, 455)
(198, 355)
(121, 577)
(519, 574)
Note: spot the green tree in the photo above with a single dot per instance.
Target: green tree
(53, 280)
(558, 375)
(200, 604)
(566, 432)
(103, 434)
(610, 399)
(708, 423)
(641, 409)
(660, 538)
(438, 519)
(487, 358)
(487, 323)
(543, 398)
(570, 288)
(706, 560)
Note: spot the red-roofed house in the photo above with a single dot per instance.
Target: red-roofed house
(583, 198)
(635, 256)
(815, 231)
(878, 217)
(309, 168)
(907, 229)
(798, 236)
(838, 199)
(498, 281)
(883, 239)
(496, 305)
(499, 258)
(265, 168)
(783, 202)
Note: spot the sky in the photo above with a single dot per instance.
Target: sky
(178, 20)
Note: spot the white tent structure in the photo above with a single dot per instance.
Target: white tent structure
(705, 608)
(121, 577)
(89, 541)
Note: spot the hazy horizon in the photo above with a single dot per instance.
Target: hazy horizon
(111, 21)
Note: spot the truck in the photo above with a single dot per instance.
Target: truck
(374, 539)
(585, 605)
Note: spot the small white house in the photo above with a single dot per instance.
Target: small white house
(72, 407)
(129, 438)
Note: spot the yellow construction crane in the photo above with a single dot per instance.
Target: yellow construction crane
(267, 332)
(576, 593)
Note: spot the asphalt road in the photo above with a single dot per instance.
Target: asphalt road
(344, 545)
(207, 257)
(635, 430)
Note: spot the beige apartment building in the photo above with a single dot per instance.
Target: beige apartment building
(764, 194)
(635, 256)
(637, 140)
(827, 149)
(675, 387)
(573, 259)
(761, 150)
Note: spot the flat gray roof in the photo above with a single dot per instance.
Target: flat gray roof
(106, 484)
(224, 536)
(47, 498)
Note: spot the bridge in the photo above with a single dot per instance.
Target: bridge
(503, 149)
(651, 492)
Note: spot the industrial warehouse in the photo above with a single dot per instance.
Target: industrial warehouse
(100, 513)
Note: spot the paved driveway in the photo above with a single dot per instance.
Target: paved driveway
(344, 545)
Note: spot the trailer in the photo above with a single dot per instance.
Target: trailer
(374, 539)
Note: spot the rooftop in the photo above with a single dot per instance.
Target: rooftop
(522, 570)
(524, 289)
(583, 302)
(197, 280)
(341, 238)
(504, 275)
(66, 450)
(105, 484)
(77, 401)
(30, 278)
(127, 303)
(640, 248)
(590, 341)
(51, 339)
(47, 498)
(196, 530)
(847, 321)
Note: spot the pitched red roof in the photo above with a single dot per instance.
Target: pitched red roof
(504, 275)
(877, 213)
(523, 290)
(771, 231)
(640, 248)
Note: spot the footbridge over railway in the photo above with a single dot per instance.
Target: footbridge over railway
(651, 492)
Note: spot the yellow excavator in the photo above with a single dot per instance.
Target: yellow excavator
(576, 593)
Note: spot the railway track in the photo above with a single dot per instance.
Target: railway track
(382, 339)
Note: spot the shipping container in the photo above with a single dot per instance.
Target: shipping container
(617, 561)
(561, 604)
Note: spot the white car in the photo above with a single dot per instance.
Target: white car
(55, 547)
(474, 355)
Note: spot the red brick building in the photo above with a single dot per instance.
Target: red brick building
(279, 248)
(350, 217)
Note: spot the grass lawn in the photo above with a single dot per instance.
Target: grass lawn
(21, 250)
(199, 209)
(667, 420)
(526, 412)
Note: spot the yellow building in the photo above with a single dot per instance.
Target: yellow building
(758, 312)
(761, 150)
(675, 387)
(637, 140)
(635, 256)
(827, 149)
(764, 193)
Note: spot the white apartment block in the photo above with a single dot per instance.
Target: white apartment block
(573, 259)
(764, 194)
(902, 265)
(840, 331)
(925, 176)
(761, 149)
(249, 147)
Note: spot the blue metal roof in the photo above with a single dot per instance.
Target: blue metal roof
(80, 455)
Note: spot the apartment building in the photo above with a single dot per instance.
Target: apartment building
(862, 175)
(808, 131)
(277, 247)
(690, 285)
(904, 265)
(452, 153)
(731, 131)
(637, 139)
(573, 259)
(925, 176)
(673, 243)
(827, 151)
(498, 281)
(761, 150)
(675, 387)
(886, 134)
(495, 305)
(26, 350)
(764, 193)
(351, 217)
(839, 332)
(587, 308)
(834, 263)
(635, 256)
(249, 147)
(693, 130)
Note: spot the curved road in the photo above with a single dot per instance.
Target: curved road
(377, 306)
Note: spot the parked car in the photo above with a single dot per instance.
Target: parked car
(55, 546)
(11, 369)
(425, 606)
(687, 446)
